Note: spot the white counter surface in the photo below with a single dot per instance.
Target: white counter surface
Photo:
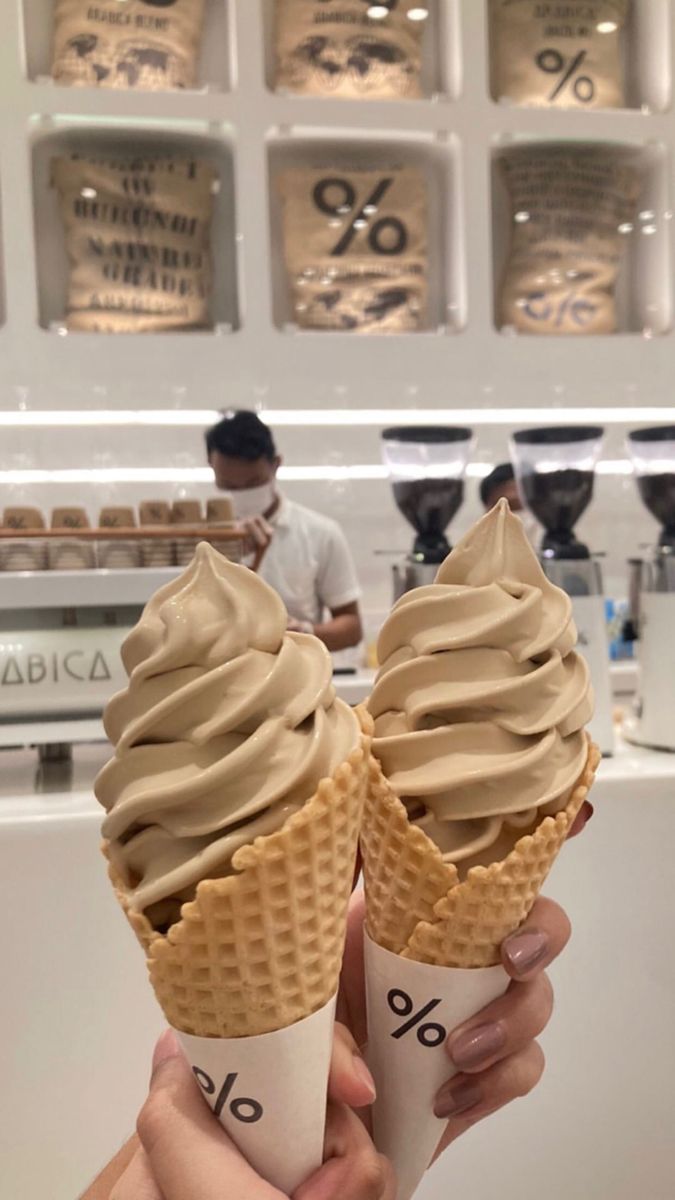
(79, 1019)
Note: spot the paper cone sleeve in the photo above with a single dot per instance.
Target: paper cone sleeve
(262, 948)
(416, 905)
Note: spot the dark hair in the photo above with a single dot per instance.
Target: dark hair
(241, 434)
(501, 475)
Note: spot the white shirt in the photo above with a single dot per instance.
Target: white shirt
(308, 562)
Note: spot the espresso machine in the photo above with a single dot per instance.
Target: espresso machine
(555, 469)
(426, 466)
(652, 592)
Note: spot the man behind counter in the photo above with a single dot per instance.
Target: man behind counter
(306, 557)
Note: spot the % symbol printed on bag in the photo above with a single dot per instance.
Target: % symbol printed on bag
(552, 62)
(429, 1034)
(337, 198)
(243, 1109)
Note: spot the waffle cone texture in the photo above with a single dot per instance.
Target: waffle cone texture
(262, 948)
(417, 907)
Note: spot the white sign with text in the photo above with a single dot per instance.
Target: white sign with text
(47, 671)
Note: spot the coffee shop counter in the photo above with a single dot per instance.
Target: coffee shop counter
(79, 1020)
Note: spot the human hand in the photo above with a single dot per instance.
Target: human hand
(496, 1052)
(184, 1151)
(258, 534)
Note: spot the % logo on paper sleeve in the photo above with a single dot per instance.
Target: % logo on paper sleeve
(338, 198)
(429, 1033)
(552, 62)
(243, 1109)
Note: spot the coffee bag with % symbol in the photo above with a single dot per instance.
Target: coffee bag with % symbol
(355, 243)
(571, 209)
(560, 55)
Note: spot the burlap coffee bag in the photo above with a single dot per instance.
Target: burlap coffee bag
(571, 206)
(564, 55)
(337, 48)
(356, 247)
(147, 44)
(138, 233)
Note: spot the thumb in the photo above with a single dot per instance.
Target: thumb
(350, 1082)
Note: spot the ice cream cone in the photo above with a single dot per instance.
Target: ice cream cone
(416, 905)
(480, 766)
(234, 801)
(262, 948)
(248, 976)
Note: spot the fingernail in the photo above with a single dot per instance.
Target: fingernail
(477, 1045)
(524, 951)
(364, 1076)
(167, 1047)
(457, 1097)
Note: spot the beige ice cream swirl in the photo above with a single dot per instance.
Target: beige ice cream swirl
(481, 700)
(227, 726)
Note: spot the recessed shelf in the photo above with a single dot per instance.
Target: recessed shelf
(614, 54)
(601, 261)
(411, 52)
(371, 228)
(64, 137)
(144, 61)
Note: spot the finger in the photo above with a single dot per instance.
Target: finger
(350, 1082)
(504, 1028)
(257, 535)
(353, 1168)
(188, 1150)
(137, 1183)
(582, 818)
(540, 939)
(468, 1099)
(352, 995)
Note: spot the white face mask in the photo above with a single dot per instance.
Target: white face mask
(253, 502)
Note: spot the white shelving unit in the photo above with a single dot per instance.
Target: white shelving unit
(237, 113)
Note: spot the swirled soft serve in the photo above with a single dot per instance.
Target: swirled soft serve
(481, 700)
(227, 726)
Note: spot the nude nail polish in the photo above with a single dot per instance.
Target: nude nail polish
(457, 1097)
(524, 951)
(477, 1045)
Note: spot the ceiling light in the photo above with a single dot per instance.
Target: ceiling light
(607, 27)
(316, 418)
(321, 473)
(418, 14)
(377, 12)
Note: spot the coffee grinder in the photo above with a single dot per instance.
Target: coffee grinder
(652, 592)
(555, 469)
(426, 466)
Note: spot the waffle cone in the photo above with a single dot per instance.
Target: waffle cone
(259, 950)
(416, 905)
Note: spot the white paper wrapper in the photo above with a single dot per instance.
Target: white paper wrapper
(269, 1093)
(410, 1064)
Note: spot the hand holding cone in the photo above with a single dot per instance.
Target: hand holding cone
(480, 766)
(234, 801)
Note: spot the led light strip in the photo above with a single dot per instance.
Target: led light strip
(319, 474)
(316, 418)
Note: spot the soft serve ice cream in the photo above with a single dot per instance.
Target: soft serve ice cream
(227, 727)
(481, 700)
